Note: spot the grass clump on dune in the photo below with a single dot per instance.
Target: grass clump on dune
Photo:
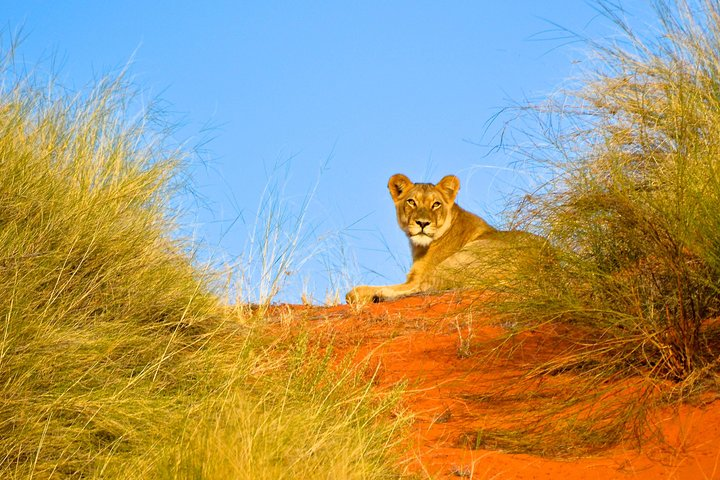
(315, 422)
(116, 358)
(632, 211)
(99, 306)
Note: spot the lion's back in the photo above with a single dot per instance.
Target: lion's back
(489, 260)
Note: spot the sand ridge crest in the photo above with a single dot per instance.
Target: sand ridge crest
(439, 346)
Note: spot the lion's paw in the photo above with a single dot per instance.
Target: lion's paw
(362, 295)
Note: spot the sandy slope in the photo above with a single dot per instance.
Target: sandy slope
(423, 341)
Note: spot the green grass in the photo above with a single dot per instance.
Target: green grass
(630, 204)
(117, 360)
(317, 423)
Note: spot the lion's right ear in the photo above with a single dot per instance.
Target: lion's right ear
(398, 184)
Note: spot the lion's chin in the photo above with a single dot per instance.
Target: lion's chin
(421, 240)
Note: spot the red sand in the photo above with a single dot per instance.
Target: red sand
(417, 340)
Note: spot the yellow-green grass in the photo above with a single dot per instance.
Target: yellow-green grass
(312, 422)
(117, 359)
(630, 153)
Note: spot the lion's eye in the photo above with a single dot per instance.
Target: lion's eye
(436, 205)
(411, 202)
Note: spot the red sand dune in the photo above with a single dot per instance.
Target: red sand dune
(417, 340)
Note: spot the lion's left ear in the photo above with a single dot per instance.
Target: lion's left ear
(449, 186)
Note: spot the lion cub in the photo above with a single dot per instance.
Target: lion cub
(451, 247)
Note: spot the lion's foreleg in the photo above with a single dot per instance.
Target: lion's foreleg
(374, 294)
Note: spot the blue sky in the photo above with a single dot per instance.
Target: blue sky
(342, 93)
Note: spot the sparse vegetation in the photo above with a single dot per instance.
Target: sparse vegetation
(116, 358)
(464, 348)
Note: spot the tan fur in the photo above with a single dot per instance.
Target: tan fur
(451, 247)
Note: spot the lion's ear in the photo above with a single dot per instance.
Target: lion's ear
(449, 185)
(398, 184)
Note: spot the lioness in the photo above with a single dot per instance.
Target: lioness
(451, 247)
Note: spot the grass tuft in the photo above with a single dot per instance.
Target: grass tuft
(116, 358)
(631, 211)
(321, 422)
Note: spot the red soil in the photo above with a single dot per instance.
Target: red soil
(417, 341)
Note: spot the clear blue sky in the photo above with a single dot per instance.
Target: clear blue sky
(373, 88)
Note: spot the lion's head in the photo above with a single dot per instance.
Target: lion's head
(424, 210)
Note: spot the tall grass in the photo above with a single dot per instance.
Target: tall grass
(315, 422)
(287, 257)
(100, 308)
(632, 207)
(277, 246)
(116, 358)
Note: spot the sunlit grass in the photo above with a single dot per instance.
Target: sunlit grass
(312, 421)
(117, 359)
(632, 212)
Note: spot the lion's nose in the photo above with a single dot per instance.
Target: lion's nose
(422, 224)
